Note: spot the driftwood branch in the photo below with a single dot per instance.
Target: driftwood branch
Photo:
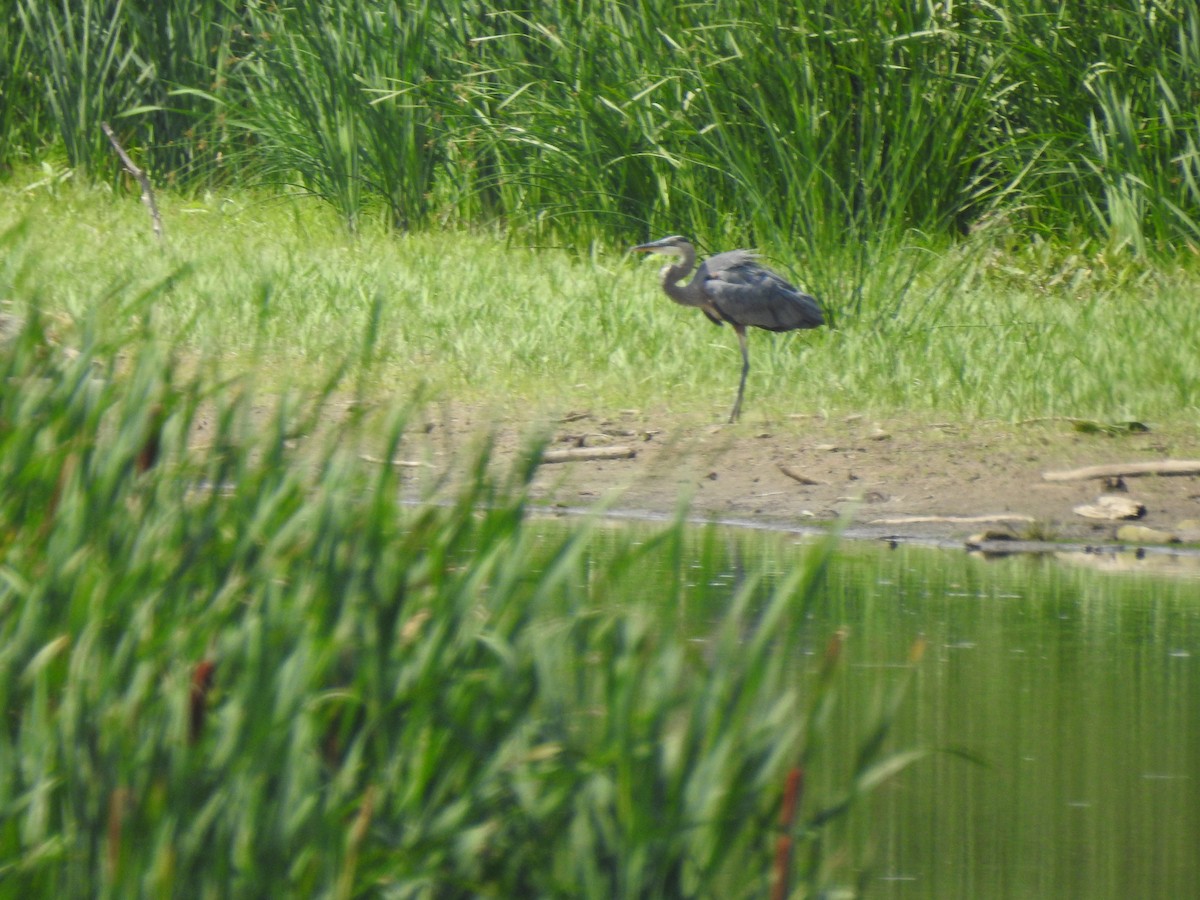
(142, 179)
(953, 520)
(1117, 470)
(581, 454)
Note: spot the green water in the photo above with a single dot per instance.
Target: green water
(1080, 690)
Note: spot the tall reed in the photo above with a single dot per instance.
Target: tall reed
(339, 95)
(233, 667)
(159, 65)
(821, 134)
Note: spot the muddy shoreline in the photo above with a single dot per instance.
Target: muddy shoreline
(939, 484)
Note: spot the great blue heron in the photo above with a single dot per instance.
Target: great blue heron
(733, 287)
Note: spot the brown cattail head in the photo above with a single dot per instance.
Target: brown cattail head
(202, 680)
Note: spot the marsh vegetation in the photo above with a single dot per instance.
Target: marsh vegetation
(236, 659)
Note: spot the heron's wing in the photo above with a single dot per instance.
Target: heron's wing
(746, 293)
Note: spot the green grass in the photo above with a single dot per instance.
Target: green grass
(987, 329)
(241, 670)
(846, 125)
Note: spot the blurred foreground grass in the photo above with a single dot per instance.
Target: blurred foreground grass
(224, 672)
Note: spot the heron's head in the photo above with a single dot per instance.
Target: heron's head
(674, 245)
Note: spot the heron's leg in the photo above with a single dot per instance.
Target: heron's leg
(737, 405)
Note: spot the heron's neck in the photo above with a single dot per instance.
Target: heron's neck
(673, 274)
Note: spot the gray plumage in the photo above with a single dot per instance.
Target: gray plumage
(734, 287)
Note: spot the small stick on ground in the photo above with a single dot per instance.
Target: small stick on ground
(796, 475)
(581, 454)
(142, 179)
(1118, 470)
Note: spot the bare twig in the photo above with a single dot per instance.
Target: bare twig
(581, 454)
(143, 180)
(797, 475)
(1116, 470)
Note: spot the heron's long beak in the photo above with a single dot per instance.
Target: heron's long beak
(669, 245)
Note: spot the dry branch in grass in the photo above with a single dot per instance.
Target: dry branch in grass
(142, 179)
(1116, 470)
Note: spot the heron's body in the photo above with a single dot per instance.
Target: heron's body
(733, 287)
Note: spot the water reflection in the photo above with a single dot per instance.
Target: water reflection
(1080, 689)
